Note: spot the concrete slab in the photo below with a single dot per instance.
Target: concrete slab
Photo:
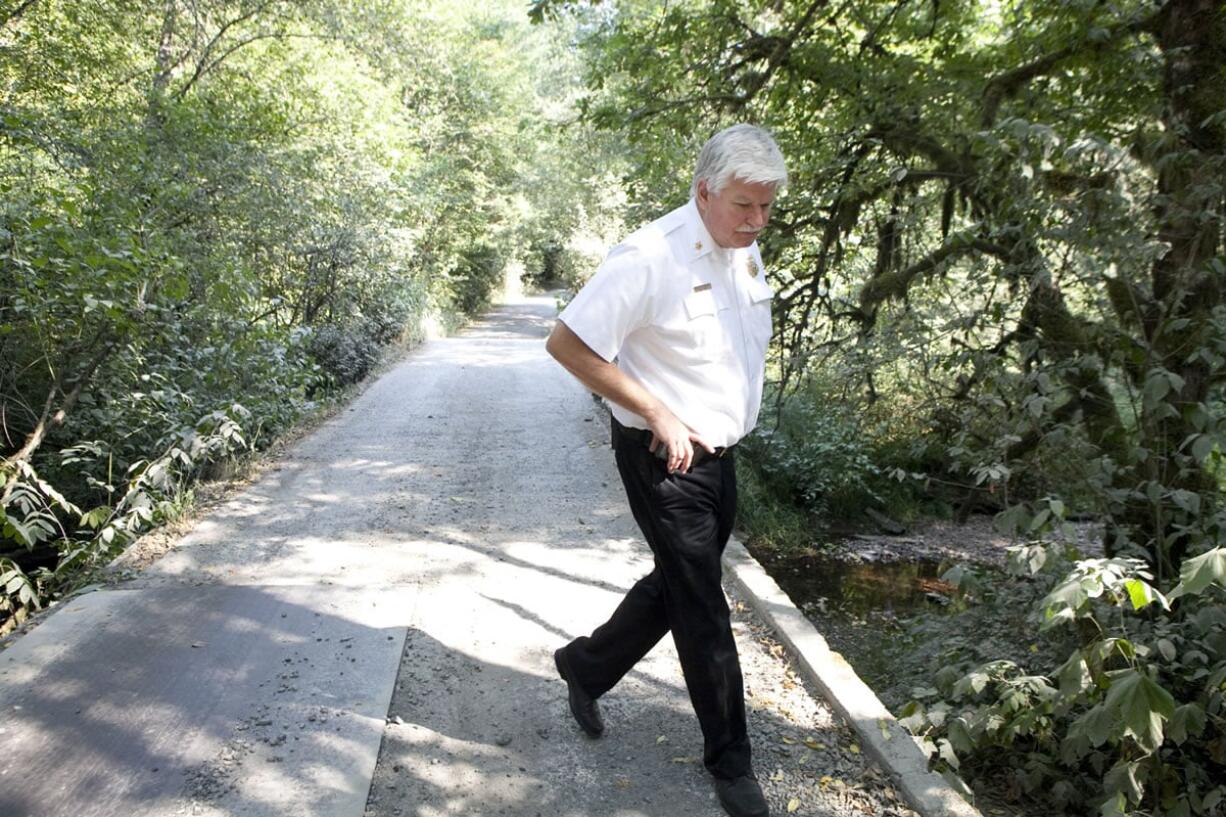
(882, 736)
(467, 497)
(200, 700)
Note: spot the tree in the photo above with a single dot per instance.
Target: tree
(1031, 194)
(214, 213)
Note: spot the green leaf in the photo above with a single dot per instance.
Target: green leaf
(1187, 500)
(1142, 594)
(1012, 519)
(970, 684)
(97, 517)
(1156, 388)
(1142, 704)
(1039, 520)
(1199, 572)
(1095, 725)
(946, 752)
(1122, 779)
(1115, 806)
(1202, 445)
(1189, 719)
(960, 735)
(1074, 675)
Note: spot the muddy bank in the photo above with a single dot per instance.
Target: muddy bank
(881, 600)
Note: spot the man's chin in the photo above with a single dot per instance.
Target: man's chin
(745, 239)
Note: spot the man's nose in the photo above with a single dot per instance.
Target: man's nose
(758, 217)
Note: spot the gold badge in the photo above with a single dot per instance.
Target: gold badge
(698, 245)
(752, 267)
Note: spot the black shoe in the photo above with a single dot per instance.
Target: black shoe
(585, 710)
(742, 797)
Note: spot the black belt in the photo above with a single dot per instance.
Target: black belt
(644, 438)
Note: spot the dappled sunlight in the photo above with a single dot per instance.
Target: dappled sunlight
(479, 749)
(216, 702)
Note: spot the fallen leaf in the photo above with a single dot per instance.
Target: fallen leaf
(788, 741)
(777, 777)
(854, 748)
(885, 728)
(793, 805)
(685, 760)
(814, 745)
(825, 781)
(662, 739)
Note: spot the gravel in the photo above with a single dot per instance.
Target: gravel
(463, 518)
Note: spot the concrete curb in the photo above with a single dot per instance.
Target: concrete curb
(880, 734)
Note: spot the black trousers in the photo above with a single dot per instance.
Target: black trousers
(686, 519)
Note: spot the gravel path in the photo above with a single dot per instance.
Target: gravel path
(479, 722)
(464, 512)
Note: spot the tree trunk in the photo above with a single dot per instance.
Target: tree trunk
(1185, 286)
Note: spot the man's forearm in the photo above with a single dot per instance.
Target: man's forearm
(599, 375)
(613, 384)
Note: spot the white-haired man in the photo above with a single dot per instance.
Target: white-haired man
(672, 330)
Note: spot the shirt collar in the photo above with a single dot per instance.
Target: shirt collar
(699, 240)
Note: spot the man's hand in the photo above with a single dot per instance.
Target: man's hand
(612, 383)
(677, 438)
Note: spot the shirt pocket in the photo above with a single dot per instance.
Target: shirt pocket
(758, 323)
(693, 330)
(700, 303)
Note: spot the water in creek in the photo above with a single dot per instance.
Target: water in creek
(861, 608)
(859, 588)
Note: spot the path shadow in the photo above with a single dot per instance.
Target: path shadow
(230, 699)
(483, 738)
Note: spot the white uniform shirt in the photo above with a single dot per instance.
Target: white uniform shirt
(684, 317)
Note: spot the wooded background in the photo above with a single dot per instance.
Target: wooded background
(999, 283)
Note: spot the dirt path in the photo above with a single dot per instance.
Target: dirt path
(431, 545)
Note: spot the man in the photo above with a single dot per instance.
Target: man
(672, 330)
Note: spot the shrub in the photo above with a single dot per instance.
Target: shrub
(1130, 722)
(821, 457)
(477, 278)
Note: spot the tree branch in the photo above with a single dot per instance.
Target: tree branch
(204, 64)
(16, 13)
(895, 284)
(1006, 84)
(53, 419)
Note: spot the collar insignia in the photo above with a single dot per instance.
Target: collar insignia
(698, 245)
(751, 267)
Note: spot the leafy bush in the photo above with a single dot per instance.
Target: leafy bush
(773, 521)
(821, 457)
(1131, 721)
(477, 277)
(203, 206)
(564, 265)
(33, 512)
(345, 354)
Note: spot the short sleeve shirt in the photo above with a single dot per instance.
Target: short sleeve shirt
(687, 319)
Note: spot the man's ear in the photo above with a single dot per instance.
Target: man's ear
(702, 194)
